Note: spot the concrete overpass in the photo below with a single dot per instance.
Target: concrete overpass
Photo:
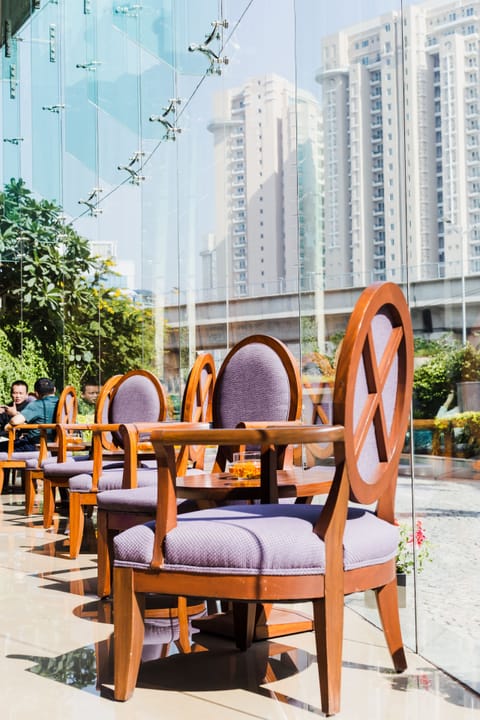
(437, 307)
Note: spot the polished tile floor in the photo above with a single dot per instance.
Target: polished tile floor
(55, 641)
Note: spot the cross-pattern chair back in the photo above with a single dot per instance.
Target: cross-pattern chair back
(138, 396)
(258, 381)
(372, 395)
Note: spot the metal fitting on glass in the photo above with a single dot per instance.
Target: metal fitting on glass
(135, 177)
(92, 202)
(170, 126)
(214, 57)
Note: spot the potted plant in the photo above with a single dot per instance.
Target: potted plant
(414, 550)
(465, 374)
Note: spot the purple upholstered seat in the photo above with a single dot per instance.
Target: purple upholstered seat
(142, 500)
(73, 467)
(52, 460)
(111, 479)
(19, 456)
(257, 539)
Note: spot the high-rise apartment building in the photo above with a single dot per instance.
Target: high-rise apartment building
(268, 153)
(395, 82)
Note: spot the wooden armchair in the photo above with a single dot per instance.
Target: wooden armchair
(30, 463)
(129, 505)
(137, 396)
(57, 474)
(258, 382)
(272, 552)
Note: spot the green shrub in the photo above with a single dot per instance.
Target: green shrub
(28, 367)
(431, 386)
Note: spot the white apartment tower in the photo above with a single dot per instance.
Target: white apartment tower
(267, 215)
(401, 108)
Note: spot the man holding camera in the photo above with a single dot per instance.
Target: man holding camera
(20, 400)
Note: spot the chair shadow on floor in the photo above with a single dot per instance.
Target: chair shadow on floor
(90, 668)
(56, 541)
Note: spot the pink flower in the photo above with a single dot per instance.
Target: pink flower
(419, 534)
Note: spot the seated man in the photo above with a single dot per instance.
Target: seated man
(20, 399)
(41, 410)
(88, 398)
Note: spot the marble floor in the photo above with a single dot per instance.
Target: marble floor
(55, 662)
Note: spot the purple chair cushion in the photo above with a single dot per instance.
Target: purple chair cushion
(255, 539)
(111, 479)
(28, 455)
(51, 460)
(54, 471)
(139, 499)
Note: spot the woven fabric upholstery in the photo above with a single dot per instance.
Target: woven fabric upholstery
(258, 368)
(72, 467)
(31, 454)
(255, 539)
(52, 459)
(111, 479)
(135, 400)
(368, 459)
(139, 499)
(33, 462)
(133, 500)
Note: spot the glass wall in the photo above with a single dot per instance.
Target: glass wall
(241, 166)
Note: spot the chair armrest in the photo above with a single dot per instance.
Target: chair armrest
(131, 434)
(42, 427)
(65, 441)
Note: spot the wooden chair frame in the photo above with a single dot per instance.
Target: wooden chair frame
(66, 412)
(78, 501)
(196, 409)
(64, 433)
(354, 427)
(201, 385)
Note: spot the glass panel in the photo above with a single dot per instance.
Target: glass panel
(244, 169)
(47, 102)
(81, 68)
(11, 128)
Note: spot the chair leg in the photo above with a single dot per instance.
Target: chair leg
(48, 503)
(387, 602)
(244, 615)
(104, 566)
(128, 611)
(2, 479)
(76, 522)
(328, 625)
(30, 489)
(184, 636)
